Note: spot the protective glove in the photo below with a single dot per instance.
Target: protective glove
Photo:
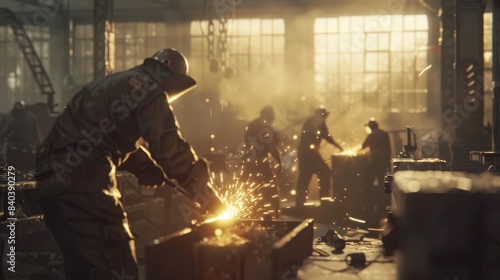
(151, 177)
(144, 167)
(198, 188)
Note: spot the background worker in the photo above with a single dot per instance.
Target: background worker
(309, 159)
(263, 145)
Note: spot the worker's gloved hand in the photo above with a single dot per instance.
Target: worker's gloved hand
(198, 188)
(147, 171)
(151, 176)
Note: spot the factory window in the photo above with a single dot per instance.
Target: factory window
(19, 82)
(255, 52)
(83, 53)
(374, 62)
(136, 41)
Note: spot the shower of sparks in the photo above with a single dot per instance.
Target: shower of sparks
(239, 197)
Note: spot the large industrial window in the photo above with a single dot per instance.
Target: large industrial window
(83, 54)
(255, 52)
(134, 41)
(19, 83)
(376, 62)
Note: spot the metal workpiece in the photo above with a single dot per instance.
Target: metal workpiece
(231, 249)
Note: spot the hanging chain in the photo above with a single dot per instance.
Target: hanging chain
(223, 42)
(211, 40)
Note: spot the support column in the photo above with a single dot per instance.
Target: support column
(469, 68)
(447, 63)
(496, 76)
(59, 56)
(491, 159)
(469, 95)
(104, 38)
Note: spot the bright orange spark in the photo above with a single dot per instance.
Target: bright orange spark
(240, 197)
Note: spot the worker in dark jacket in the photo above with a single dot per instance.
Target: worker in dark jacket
(379, 146)
(22, 133)
(264, 144)
(106, 126)
(309, 159)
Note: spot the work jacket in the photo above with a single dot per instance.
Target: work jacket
(105, 122)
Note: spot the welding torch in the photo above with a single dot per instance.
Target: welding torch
(205, 200)
(196, 187)
(199, 189)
